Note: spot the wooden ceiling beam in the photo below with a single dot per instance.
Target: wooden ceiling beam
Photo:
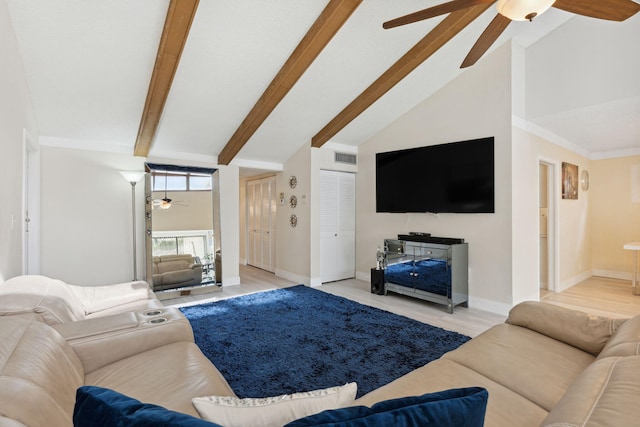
(438, 37)
(174, 36)
(334, 15)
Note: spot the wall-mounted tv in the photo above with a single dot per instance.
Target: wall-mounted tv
(457, 177)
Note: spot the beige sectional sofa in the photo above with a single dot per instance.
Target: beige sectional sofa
(41, 367)
(174, 271)
(545, 366)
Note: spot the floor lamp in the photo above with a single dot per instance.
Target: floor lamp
(133, 177)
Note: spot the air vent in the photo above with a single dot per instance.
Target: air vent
(347, 158)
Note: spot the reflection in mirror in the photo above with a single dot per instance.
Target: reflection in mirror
(180, 227)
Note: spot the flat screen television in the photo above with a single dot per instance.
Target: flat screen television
(457, 177)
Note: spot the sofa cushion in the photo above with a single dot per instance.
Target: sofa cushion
(102, 341)
(449, 408)
(36, 365)
(167, 266)
(273, 411)
(50, 298)
(533, 365)
(178, 276)
(605, 394)
(581, 330)
(505, 408)
(99, 298)
(626, 340)
(140, 305)
(101, 407)
(168, 376)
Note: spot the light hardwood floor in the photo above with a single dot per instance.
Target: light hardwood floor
(600, 296)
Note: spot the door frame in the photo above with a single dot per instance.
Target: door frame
(253, 181)
(553, 227)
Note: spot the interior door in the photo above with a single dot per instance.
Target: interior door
(254, 250)
(261, 205)
(265, 225)
(337, 225)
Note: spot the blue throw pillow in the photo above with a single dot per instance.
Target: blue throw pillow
(102, 407)
(463, 407)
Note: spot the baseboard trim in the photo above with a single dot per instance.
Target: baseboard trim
(490, 306)
(230, 281)
(363, 275)
(572, 281)
(613, 274)
(293, 277)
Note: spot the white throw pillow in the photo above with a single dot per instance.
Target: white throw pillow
(273, 411)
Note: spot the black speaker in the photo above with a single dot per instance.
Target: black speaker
(377, 281)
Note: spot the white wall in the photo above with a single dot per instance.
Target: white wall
(525, 275)
(474, 105)
(230, 223)
(293, 246)
(191, 210)
(614, 214)
(574, 224)
(86, 216)
(16, 114)
(603, 56)
(582, 83)
(298, 248)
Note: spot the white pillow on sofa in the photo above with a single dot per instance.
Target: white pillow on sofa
(273, 411)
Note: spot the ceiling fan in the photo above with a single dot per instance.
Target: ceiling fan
(165, 202)
(519, 10)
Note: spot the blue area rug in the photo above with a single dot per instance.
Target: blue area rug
(298, 339)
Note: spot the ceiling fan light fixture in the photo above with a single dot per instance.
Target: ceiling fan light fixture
(523, 10)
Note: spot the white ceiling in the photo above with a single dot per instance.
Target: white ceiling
(88, 64)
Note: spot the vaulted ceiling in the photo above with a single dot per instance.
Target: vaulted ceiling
(254, 80)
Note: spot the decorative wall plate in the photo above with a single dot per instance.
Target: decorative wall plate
(293, 220)
(584, 180)
(293, 181)
(293, 202)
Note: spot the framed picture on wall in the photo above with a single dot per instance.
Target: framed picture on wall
(569, 181)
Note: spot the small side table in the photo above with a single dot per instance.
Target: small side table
(635, 247)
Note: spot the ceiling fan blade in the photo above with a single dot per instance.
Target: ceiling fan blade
(612, 10)
(431, 12)
(486, 39)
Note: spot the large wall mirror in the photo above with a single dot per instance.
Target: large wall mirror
(181, 237)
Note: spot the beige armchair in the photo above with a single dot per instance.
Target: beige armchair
(174, 271)
(58, 302)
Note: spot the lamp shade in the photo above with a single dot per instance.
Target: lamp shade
(523, 10)
(132, 176)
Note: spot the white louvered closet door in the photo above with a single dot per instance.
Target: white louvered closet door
(337, 225)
